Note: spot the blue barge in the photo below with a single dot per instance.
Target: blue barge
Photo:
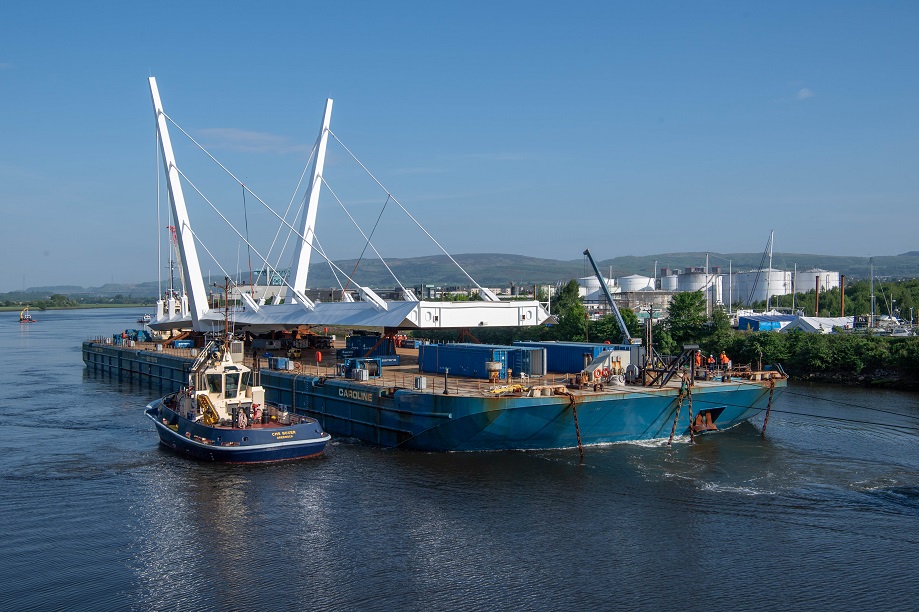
(400, 408)
(469, 421)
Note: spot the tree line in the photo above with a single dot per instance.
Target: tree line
(840, 356)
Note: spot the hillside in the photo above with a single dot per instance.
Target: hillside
(496, 269)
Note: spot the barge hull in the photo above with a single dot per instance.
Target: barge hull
(432, 422)
(425, 420)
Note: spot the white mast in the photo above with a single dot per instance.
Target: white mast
(189, 255)
(709, 298)
(769, 271)
(871, 318)
(304, 248)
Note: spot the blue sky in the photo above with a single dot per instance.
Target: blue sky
(530, 128)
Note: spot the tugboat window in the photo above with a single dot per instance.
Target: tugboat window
(246, 379)
(232, 385)
(215, 383)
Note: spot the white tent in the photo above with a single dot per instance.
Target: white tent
(818, 325)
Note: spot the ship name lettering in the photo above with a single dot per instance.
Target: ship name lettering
(358, 395)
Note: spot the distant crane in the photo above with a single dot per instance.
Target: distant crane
(626, 337)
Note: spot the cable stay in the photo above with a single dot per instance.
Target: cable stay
(759, 271)
(346, 297)
(287, 210)
(485, 293)
(300, 220)
(365, 292)
(249, 301)
(409, 295)
(367, 238)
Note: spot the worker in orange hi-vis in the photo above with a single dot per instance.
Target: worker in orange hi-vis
(725, 362)
(698, 359)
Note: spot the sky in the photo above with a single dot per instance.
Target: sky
(529, 128)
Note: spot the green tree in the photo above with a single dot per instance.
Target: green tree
(571, 313)
(607, 328)
(662, 340)
(720, 333)
(632, 322)
(686, 317)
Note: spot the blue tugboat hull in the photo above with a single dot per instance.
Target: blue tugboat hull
(228, 445)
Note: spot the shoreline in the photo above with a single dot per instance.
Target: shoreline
(78, 307)
(880, 379)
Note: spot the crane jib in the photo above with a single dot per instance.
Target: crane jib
(626, 337)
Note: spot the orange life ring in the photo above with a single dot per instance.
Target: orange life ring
(297, 366)
(597, 374)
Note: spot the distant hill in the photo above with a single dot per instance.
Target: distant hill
(500, 270)
(492, 269)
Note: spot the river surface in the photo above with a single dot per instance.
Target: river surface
(821, 514)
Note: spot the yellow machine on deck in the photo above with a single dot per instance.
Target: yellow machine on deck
(207, 408)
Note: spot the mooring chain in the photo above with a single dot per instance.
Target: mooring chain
(768, 406)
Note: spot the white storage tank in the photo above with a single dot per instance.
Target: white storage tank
(751, 286)
(589, 288)
(670, 282)
(693, 281)
(588, 285)
(634, 282)
(807, 280)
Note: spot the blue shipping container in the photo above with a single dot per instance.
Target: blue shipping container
(568, 357)
(362, 344)
(521, 360)
(528, 360)
(462, 360)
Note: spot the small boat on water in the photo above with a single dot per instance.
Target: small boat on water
(25, 317)
(145, 319)
(222, 416)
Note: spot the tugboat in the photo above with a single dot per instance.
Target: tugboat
(25, 317)
(145, 319)
(221, 416)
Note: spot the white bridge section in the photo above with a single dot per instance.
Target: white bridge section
(402, 315)
(191, 312)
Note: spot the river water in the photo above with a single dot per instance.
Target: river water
(821, 514)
